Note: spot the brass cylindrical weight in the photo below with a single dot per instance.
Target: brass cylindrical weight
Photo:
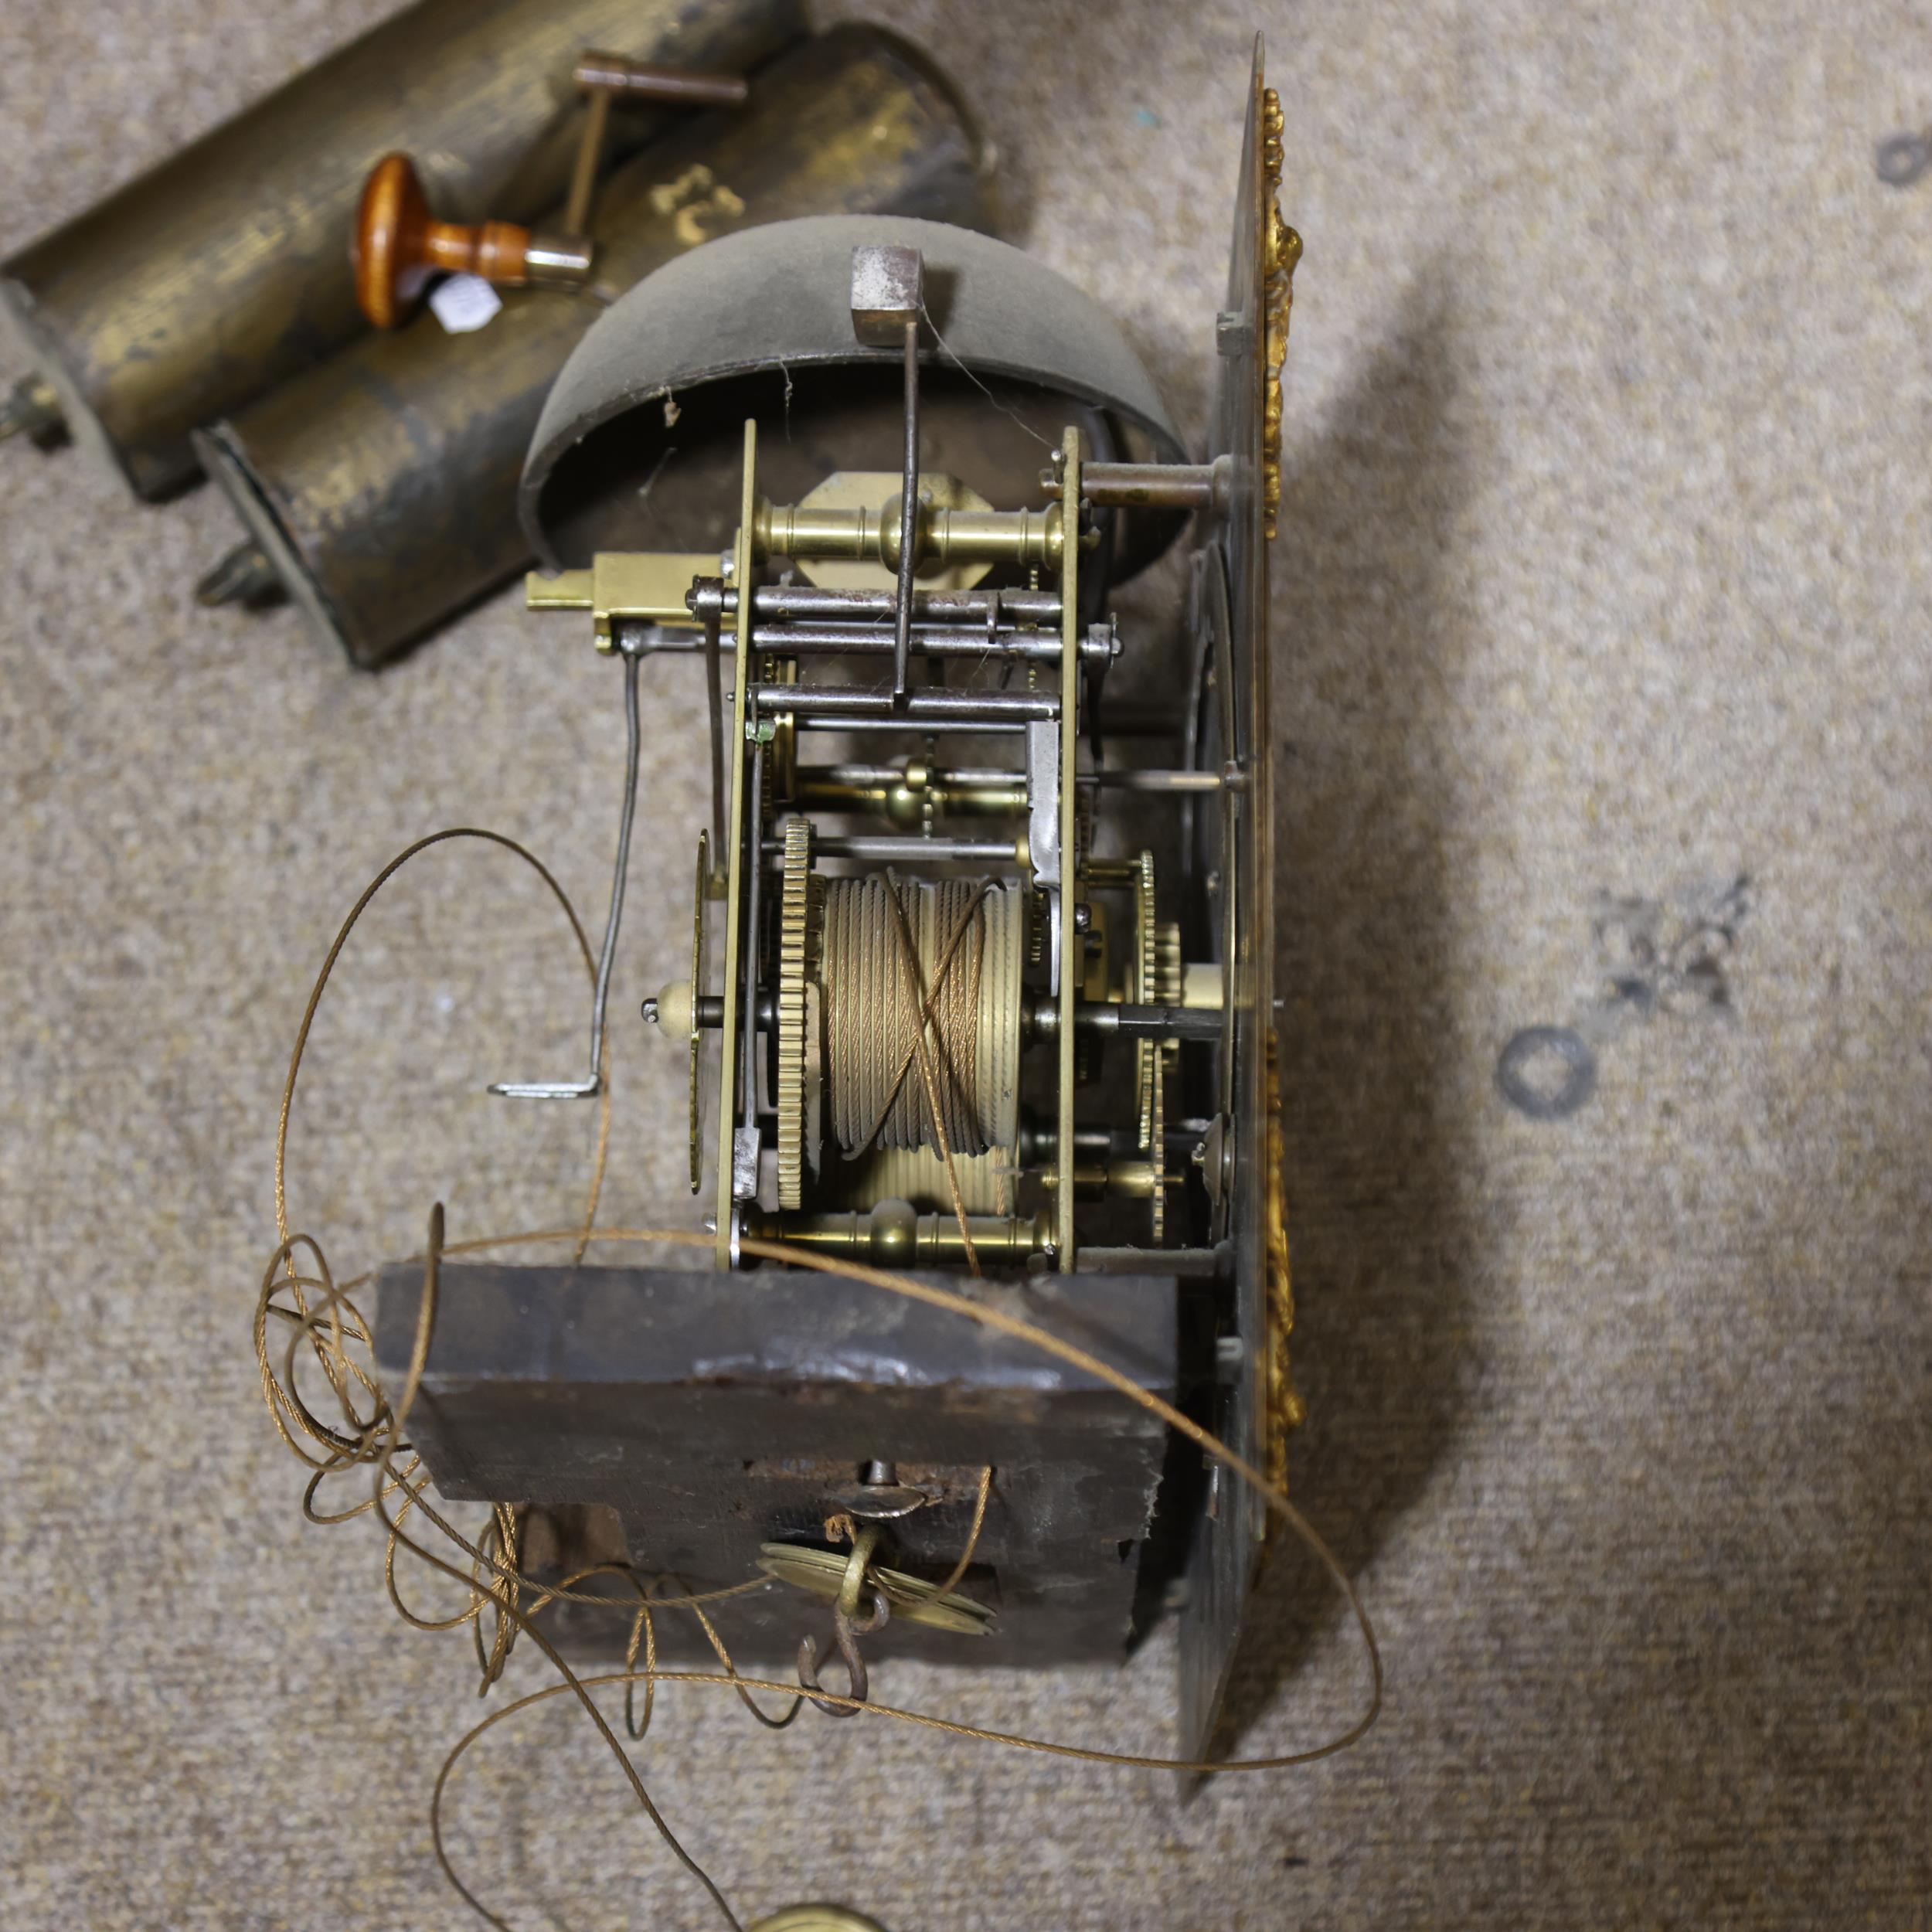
(380, 486)
(226, 270)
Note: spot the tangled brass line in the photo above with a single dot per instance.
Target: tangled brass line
(923, 1002)
(369, 1432)
(872, 1010)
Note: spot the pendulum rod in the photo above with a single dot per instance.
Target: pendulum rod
(1072, 941)
(740, 839)
(908, 517)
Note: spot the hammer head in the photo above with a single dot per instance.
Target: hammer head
(888, 291)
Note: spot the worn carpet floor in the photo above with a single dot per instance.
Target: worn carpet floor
(1604, 634)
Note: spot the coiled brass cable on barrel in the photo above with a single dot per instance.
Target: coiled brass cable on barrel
(900, 1004)
(873, 1012)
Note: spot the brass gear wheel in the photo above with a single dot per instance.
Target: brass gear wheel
(1157, 981)
(800, 1076)
(1142, 988)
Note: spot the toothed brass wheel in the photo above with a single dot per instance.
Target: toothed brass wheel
(799, 1060)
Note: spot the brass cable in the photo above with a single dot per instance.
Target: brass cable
(347, 926)
(1039, 1338)
(944, 1300)
(960, 1569)
(908, 956)
(372, 1437)
(872, 1016)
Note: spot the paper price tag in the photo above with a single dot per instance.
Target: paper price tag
(463, 303)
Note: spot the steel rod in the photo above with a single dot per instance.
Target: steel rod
(1153, 486)
(1128, 1022)
(1037, 1141)
(908, 518)
(806, 721)
(883, 849)
(714, 710)
(1164, 781)
(583, 181)
(667, 87)
(1191, 1264)
(593, 1081)
(1072, 943)
(932, 707)
(754, 808)
(781, 601)
(813, 640)
(725, 1219)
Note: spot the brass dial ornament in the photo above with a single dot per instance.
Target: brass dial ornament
(1281, 249)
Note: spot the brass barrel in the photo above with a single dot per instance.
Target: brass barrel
(940, 535)
(226, 270)
(380, 486)
(894, 1234)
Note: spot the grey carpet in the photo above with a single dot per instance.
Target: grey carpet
(1603, 573)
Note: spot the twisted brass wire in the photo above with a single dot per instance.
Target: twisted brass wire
(857, 949)
(371, 1435)
(876, 1009)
